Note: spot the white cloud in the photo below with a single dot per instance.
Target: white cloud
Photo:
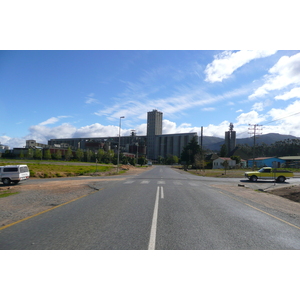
(12, 142)
(259, 106)
(208, 109)
(97, 130)
(251, 117)
(52, 120)
(90, 99)
(49, 121)
(216, 130)
(227, 62)
(293, 93)
(284, 73)
(287, 120)
(43, 133)
(184, 99)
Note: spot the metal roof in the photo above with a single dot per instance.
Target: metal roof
(290, 157)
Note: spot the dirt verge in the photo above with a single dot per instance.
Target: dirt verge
(291, 193)
(38, 197)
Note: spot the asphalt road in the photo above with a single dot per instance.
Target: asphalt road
(159, 209)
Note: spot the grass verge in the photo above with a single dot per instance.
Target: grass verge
(7, 193)
(50, 170)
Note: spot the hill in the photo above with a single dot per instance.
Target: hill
(215, 143)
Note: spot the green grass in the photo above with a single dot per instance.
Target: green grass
(60, 169)
(7, 193)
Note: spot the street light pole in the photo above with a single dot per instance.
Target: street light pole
(119, 144)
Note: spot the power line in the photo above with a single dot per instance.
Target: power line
(283, 117)
(255, 130)
(273, 121)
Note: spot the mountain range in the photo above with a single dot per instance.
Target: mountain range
(215, 143)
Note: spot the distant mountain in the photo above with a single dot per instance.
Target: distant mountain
(215, 143)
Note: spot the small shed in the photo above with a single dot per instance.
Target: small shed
(260, 162)
(219, 163)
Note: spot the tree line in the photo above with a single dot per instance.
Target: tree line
(288, 147)
(100, 156)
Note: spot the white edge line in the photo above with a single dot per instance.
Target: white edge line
(151, 245)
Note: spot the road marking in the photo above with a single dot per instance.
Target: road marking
(129, 182)
(177, 182)
(42, 212)
(152, 239)
(264, 212)
(161, 182)
(145, 182)
(151, 245)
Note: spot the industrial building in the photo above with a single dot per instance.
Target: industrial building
(153, 145)
(230, 139)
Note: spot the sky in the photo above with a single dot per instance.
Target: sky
(73, 71)
(64, 94)
(83, 93)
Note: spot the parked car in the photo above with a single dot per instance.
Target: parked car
(268, 173)
(15, 174)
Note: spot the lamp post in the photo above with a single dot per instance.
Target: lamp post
(137, 153)
(119, 144)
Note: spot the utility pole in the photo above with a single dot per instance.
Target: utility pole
(254, 130)
(119, 144)
(201, 143)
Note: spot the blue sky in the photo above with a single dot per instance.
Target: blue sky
(57, 94)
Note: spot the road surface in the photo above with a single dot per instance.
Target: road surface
(159, 209)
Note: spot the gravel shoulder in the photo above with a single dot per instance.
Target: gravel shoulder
(34, 198)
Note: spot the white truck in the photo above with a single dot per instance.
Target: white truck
(15, 174)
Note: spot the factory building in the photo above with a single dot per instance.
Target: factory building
(153, 145)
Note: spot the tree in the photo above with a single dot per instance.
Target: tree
(199, 161)
(68, 154)
(47, 154)
(100, 155)
(108, 156)
(38, 154)
(190, 150)
(172, 159)
(57, 155)
(236, 158)
(160, 160)
(88, 155)
(29, 153)
(223, 151)
(225, 165)
(79, 154)
(142, 160)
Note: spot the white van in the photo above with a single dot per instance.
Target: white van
(13, 174)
